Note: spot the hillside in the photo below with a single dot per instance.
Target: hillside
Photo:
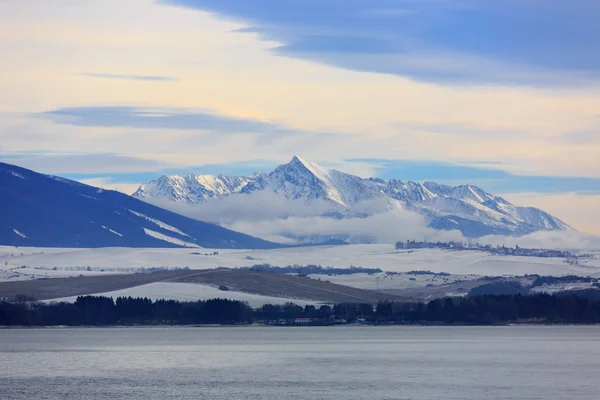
(48, 211)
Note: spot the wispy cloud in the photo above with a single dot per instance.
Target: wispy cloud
(84, 165)
(487, 176)
(466, 41)
(158, 118)
(151, 78)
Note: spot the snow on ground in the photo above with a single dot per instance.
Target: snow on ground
(9, 251)
(159, 223)
(16, 175)
(385, 257)
(192, 292)
(20, 233)
(551, 289)
(385, 281)
(112, 231)
(169, 239)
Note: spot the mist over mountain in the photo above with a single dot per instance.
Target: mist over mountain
(303, 190)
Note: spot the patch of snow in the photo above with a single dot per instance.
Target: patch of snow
(160, 223)
(385, 281)
(17, 175)
(20, 233)
(89, 197)
(551, 289)
(477, 196)
(111, 231)
(429, 193)
(65, 180)
(160, 236)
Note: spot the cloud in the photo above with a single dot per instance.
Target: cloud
(548, 240)
(580, 210)
(69, 164)
(271, 217)
(151, 118)
(450, 40)
(386, 227)
(261, 205)
(486, 175)
(132, 77)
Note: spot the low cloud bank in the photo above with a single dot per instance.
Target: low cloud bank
(272, 217)
(258, 206)
(386, 227)
(549, 240)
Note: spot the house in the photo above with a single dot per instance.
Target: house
(303, 320)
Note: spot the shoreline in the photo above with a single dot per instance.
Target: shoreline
(262, 325)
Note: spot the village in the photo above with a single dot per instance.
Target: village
(495, 250)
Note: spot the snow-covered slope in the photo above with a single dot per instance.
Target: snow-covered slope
(192, 188)
(466, 208)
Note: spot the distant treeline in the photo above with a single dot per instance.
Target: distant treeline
(103, 311)
(512, 286)
(310, 269)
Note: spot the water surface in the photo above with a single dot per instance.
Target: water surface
(350, 362)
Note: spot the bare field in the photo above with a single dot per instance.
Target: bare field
(283, 285)
(260, 283)
(43, 289)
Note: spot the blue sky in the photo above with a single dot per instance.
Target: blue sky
(502, 94)
(491, 179)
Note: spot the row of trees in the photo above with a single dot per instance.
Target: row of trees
(489, 309)
(102, 311)
(310, 269)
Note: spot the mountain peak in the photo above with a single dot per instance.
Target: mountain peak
(467, 208)
(297, 159)
(301, 178)
(316, 170)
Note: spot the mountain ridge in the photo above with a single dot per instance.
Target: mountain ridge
(466, 208)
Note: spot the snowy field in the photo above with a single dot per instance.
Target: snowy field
(384, 281)
(40, 262)
(192, 292)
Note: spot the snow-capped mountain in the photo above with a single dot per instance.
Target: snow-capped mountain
(48, 211)
(466, 208)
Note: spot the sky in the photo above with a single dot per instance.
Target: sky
(501, 94)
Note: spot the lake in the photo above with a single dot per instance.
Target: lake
(345, 362)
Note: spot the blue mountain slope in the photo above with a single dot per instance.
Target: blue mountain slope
(47, 211)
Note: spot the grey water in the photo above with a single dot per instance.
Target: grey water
(349, 362)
